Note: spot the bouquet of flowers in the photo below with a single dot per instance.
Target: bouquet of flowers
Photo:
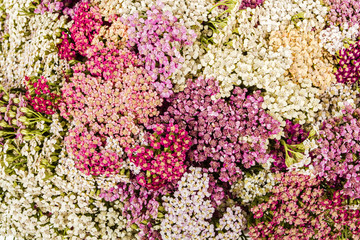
(192, 120)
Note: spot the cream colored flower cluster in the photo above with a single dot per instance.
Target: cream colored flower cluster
(43, 208)
(311, 64)
(29, 48)
(48, 208)
(252, 186)
(232, 224)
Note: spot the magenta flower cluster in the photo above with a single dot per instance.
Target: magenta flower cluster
(348, 70)
(251, 3)
(344, 11)
(40, 97)
(298, 206)
(158, 38)
(87, 23)
(337, 157)
(162, 162)
(226, 134)
(66, 48)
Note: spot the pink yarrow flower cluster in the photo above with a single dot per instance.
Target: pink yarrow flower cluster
(227, 135)
(40, 97)
(49, 6)
(162, 162)
(158, 38)
(87, 23)
(109, 95)
(298, 208)
(344, 11)
(337, 157)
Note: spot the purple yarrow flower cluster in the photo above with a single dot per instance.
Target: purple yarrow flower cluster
(49, 6)
(344, 11)
(349, 64)
(337, 157)
(250, 3)
(158, 38)
(227, 134)
(141, 207)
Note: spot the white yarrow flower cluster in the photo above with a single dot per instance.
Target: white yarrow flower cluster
(188, 211)
(232, 223)
(30, 49)
(253, 186)
(333, 38)
(46, 208)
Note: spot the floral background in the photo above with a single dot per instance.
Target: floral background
(159, 120)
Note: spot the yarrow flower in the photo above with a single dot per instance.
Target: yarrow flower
(66, 48)
(251, 3)
(109, 95)
(348, 70)
(49, 6)
(189, 210)
(342, 12)
(185, 120)
(87, 23)
(299, 208)
(40, 97)
(336, 159)
(226, 134)
(163, 161)
(159, 37)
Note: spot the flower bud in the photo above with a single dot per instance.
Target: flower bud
(134, 226)
(289, 161)
(12, 114)
(4, 124)
(23, 119)
(25, 131)
(6, 98)
(25, 110)
(27, 138)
